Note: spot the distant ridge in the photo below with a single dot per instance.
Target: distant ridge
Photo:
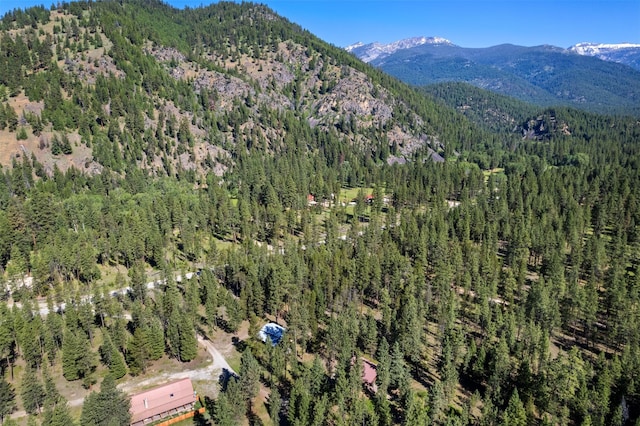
(623, 53)
(372, 51)
(603, 78)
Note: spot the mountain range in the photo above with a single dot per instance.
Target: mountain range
(372, 51)
(544, 75)
(623, 53)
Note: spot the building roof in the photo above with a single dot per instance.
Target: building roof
(162, 399)
(271, 331)
(369, 372)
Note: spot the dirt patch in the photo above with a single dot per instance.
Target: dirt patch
(227, 343)
(81, 157)
(260, 405)
(204, 371)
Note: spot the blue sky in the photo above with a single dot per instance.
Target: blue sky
(467, 23)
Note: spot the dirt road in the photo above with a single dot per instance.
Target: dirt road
(210, 373)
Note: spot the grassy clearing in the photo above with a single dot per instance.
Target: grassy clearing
(222, 245)
(260, 408)
(109, 275)
(495, 171)
(348, 194)
(234, 360)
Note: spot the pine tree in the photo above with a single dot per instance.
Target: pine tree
(383, 408)
(300, 402)
(109, 407)
(515, 414)
(223, 412)
(398, 370)
(106, 350)
(117, 366)
(53, 396)
(58, 416)
(69, 351)
(210, 299)
(172, 333)
(138, 285)
(229, 405)
(22, 134)
(55, 325)
(191, 298)
(276, 285)
(119, 333)
(383, 377)
(274, 403)
(77, 358)
(155, 336)
(234, 313)
(188, 340)
(7, 399)
(437, 403)
(65, 145)
(317, 377)
(320, 409)
(249, 376)
(56, 146)
(112, 357)
(368, 334)
(33, 394)
(17, 267)
(138, 352)
(7, 337)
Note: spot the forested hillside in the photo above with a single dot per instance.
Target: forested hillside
(487, 264)
(491, 111)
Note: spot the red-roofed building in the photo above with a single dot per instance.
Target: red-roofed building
(369, 374)
(311, 200)
(166, 400)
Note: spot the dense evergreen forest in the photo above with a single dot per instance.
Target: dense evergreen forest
(490, 269)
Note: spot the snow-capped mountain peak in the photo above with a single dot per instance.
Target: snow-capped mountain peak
(371, 51)
(624, 53)
(593, 49)
(353, 46)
